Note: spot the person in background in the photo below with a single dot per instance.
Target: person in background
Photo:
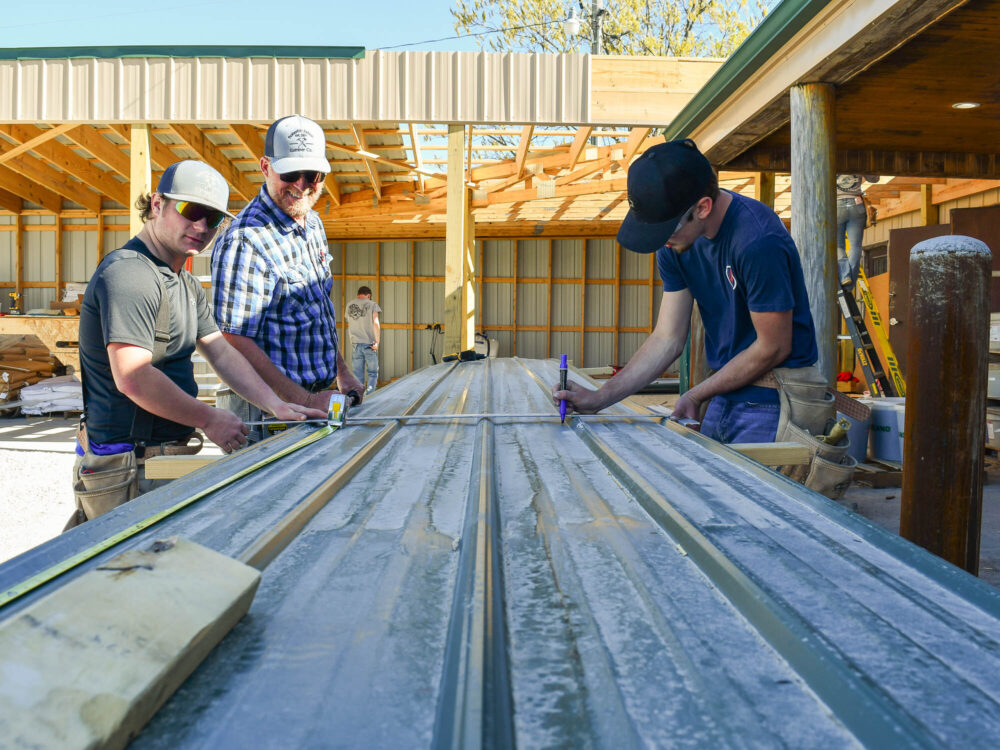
(365, 332)
(852, 218)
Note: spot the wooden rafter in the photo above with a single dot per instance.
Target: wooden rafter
(49, 178)
(576, 148)
(417, 155)
(29, 190)
(359, 138)
(69, 161)
(635, 138)
(31, 143)
(522, 149)
(10, 202)
(89, 139)
(159, 152)
(212, 155)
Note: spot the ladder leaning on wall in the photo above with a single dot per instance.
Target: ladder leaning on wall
(887, 381)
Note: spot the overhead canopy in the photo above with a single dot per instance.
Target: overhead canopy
(899, 67)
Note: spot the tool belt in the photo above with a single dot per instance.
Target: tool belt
(808, 411)
(102, 483)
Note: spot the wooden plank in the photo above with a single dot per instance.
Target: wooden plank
(576, 148)
(10, 202)
(372, 171)
(18, 260)
(31, 143)
(764, 188)
(418, 158)
(60, 183)
(29, 190)
(98, 657)
(774, 454)
(457, 203)
(635, 138)
(90, 139)
(212, 155)
(172, 467)
(140, 178)
(522, 148)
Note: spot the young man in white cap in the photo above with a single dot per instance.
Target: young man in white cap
(142, 317)
(271, 277)
(734, 257)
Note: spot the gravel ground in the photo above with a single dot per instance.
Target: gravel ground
(37, 498)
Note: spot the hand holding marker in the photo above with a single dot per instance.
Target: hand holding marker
(563, 367)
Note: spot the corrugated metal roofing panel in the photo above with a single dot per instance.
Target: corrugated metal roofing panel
(606, 584)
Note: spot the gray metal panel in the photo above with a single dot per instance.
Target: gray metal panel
(8, 256)
(601, 258)
(567, 259)
(395, 302)
(531, 344)
(498, 258)
(600, 305)
(79, 255)
(497, 305)
(505, 342)
(633, 302)
(114, 239)
(394, 354)
(532, 305)
(635, 265)
(641, 586)
(37, 299)
(568, 343)
(39, 256)
(597, 349)
(533, 259)
(429, 257)
(361, 258)
(395, 258)
(566, 304)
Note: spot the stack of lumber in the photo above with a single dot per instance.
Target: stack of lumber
(24, 361)
(68, 307)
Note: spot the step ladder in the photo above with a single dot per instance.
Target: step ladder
(887, 381)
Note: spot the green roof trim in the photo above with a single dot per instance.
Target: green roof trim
(178, 50)
(771, 35)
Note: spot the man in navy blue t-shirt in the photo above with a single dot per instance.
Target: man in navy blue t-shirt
(736, 259)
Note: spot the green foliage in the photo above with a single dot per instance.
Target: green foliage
(676, 28)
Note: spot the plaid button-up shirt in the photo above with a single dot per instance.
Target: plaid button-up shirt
(271, 282)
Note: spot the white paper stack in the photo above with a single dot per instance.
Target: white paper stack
(64, 393)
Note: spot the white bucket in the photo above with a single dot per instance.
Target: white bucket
(858, 435)
(888, 416)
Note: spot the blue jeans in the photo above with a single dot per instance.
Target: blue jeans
(365, 359)
(851, 220)
(740, 421)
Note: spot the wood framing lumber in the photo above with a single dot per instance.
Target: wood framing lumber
(10, 202)
(31, 143)
(41, 173)
(373, 176)
(579, 143)
(140, 179)
(29, 190)
(522, 149)
(98, 657)
(774, 454)
(212, 155)
(89, 139)
(172, 467)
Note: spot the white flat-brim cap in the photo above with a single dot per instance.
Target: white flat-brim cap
(294, 143)
(197, 182)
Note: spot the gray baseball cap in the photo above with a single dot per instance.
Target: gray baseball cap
(294, 143)
(197, 182)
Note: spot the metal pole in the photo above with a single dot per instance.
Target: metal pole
(814, 212)
(944, 435)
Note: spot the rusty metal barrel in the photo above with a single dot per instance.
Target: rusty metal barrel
(945, 430)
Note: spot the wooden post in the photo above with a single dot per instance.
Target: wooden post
(928, 208)
(814, 211)
(59, 258)
(764, 188)
(943, 438)
(455, 240)
(140, 173)
(19, 259)
(100, 239)
(469, 278)
(413, 278)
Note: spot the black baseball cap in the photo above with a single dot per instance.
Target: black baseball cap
(663, 183)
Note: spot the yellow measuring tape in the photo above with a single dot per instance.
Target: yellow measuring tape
(69, 563)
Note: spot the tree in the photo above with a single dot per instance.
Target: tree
(676, 28)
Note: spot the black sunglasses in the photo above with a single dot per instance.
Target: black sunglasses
(194, 212)
(311, 175)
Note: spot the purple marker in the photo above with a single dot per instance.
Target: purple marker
(563, 367)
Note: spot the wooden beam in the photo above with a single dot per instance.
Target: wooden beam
(774, 454)
(909, 163)
(67, 160)
(10, 202)
(418, 158)
(118, 608)
(59, 257)
(173, 467)
(455, 240)
(29, 190)
(89, 139)
(577, 147)
(212, 155)
(359, 138)
(522, 149)
(19, 257)
(140, 178)
(928, 209)
(31, 143)
(635, 138)
(764, 188)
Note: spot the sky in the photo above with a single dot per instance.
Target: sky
(373, 24)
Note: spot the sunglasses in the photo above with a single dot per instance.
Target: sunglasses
(194, 212)
(311, 175)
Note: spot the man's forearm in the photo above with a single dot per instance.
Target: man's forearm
(159, 395)
(649, 362)
(236, 372)
(285, 388)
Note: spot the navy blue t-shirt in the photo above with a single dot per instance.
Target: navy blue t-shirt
(751, 265)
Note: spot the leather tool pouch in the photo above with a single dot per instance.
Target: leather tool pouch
(807, 406)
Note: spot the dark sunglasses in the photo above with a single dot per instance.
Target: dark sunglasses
(194, 212)
(311, 175)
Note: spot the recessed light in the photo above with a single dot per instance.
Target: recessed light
(965, 105)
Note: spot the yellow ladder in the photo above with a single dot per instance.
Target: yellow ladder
(891, 364)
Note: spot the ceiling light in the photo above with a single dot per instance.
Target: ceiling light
(965, 105)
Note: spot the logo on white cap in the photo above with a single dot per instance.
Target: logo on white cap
(298, 141)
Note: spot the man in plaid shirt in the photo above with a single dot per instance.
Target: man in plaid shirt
(271, 277)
